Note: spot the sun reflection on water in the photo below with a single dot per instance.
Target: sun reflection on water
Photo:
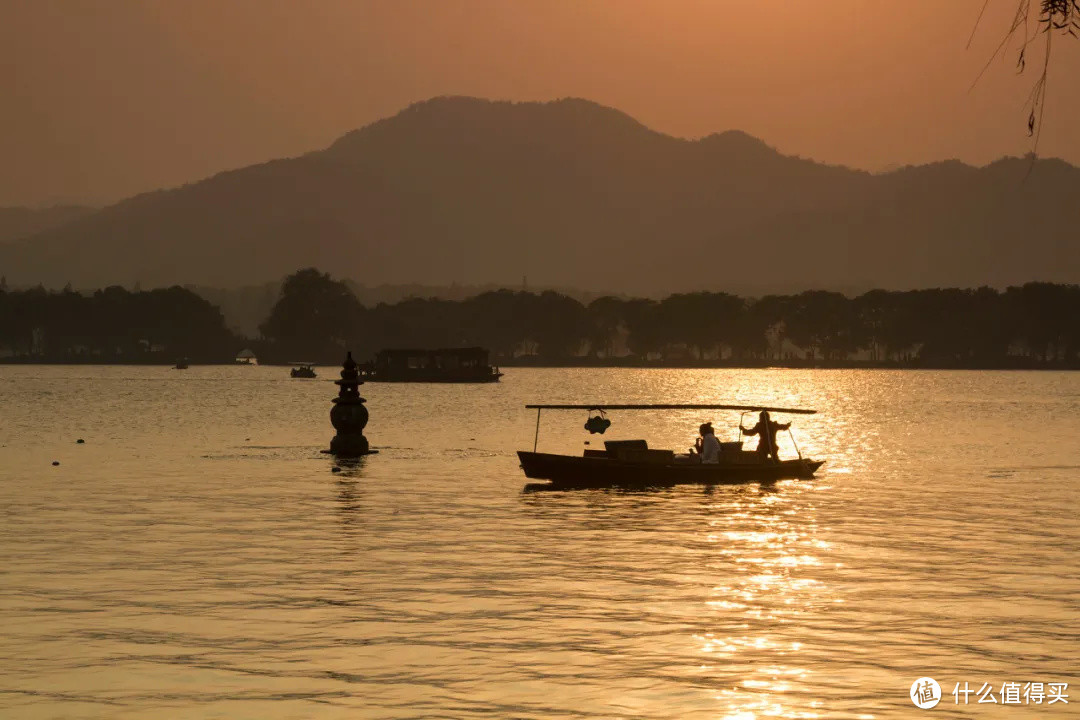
(768, 553)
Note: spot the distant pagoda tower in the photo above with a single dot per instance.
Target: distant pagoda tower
(349, 416)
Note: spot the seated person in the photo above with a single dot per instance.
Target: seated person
(707, 446)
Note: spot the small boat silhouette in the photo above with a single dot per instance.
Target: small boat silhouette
(303, 370)
(632, 463)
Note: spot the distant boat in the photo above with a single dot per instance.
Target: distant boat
(245, 357)
(181, 364)
(303, 370)
(444, 365)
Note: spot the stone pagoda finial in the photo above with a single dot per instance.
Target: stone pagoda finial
(349, 416)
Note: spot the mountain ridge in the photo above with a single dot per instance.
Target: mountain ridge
(572, 193)
(21, 222)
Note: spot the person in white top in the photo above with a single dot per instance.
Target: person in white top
(707, 445)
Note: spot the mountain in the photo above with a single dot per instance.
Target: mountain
(21, 222)
(570, 193)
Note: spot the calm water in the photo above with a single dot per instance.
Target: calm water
(197, 558)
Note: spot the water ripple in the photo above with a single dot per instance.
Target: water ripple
(209, 564)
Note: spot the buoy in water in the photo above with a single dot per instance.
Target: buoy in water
(80, 441)
(335, 469)
(55, 462)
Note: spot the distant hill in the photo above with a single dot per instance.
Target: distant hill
(573, 194)
(21, 222)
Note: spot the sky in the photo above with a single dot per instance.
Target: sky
(103, 99)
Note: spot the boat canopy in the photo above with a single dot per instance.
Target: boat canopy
(603, 406)
(439, 358)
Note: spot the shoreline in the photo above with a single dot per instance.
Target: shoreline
(1019, 364)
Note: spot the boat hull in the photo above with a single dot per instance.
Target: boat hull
(430, 376)
(567, 471)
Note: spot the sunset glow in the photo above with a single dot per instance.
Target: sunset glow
(111, 99)
(537, 359)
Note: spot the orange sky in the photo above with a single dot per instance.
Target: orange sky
(106, 99)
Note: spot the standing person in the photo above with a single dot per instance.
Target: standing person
(766, 429)
(707, 446)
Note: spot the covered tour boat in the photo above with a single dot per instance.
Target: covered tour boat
(632, 463)
(444, 365)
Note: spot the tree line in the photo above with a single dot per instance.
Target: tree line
(112, 325)
(1034, 325)
(316, 318)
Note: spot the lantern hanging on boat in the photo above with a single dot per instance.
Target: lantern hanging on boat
(597, 423)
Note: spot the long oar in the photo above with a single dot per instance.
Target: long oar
(792, 436)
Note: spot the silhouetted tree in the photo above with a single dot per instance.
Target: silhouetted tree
(822, 323)
(606, 317)
(417, 323)
(1041, 310)
(646, 332)
(701, 320)
(494, 320)
(762, 321)
(557, 323)
(315, 317)
(113, 325)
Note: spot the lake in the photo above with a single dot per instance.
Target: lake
(197, 557)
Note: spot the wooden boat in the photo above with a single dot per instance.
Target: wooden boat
(631, 463)
(444, 365)
(660, 470)
(303, 370)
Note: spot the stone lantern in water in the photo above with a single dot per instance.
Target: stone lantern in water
(349, 416)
